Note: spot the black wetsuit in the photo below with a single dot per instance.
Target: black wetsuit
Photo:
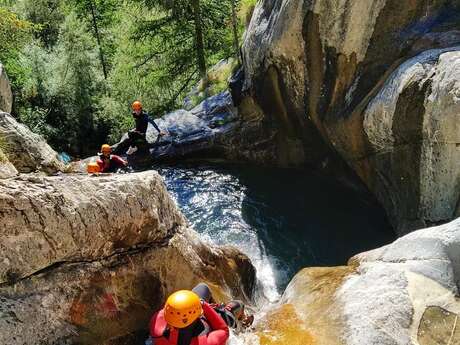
(142, 122)
(136, 137)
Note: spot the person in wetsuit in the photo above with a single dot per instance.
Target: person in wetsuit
(137, 136)
(109, 163)
(192, 318)
(187, 320)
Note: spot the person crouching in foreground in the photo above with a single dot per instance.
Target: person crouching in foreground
(187, 320)
(109, 163)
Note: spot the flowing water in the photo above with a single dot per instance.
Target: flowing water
(282, 219)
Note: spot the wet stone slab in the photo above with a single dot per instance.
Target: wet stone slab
(439, 327)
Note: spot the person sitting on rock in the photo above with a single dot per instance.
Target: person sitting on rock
(187, 319)
(109, 163)
(137, 136)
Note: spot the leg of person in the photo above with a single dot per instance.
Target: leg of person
(142, 145)
(204, 292)
(121, 147)
(236, 307)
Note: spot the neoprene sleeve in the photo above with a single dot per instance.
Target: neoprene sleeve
(219, 333)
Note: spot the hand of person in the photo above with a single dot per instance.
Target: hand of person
(162, 133)
(248, 320)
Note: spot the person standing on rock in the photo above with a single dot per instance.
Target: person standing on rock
(137, 136)
(109, 163)
(187, 319)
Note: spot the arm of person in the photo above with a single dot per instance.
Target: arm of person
(152, 122)
(219, 334)
(119, 161)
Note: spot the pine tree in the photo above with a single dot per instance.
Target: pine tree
(100, 14)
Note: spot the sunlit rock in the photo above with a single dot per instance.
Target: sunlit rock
(6, 96)
(7, 169)
(393, 295)
(27, 151)
(88, 259)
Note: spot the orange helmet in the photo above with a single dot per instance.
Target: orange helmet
(93, 168)
(182, 308)
(106, 148)
(136, 105)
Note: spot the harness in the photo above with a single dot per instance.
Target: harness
(163, 331)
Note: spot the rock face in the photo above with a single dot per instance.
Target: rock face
(403, 293)
(27, 151)
(325, 72)
(413, 127)
(6, 168)
(88, 259)
(6, 96)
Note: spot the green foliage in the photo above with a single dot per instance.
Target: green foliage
(216, 82)
(54, 50)
(62, 89)
(102, 18)
(246, 8)
(169, 44)
(15, 33)
(46, 14)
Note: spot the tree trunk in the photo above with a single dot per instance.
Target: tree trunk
(98, 38)
(200, 54)
(236, 42)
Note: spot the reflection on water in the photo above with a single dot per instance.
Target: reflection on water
(282, 219)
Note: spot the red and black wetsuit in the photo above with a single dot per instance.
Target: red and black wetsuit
(111, 165)
(210, 329)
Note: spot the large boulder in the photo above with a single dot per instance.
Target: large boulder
(314, 66)
(403, 293)
(89, 259)
(413, 128)
(27, 151)
(6, 96)
(7, 169)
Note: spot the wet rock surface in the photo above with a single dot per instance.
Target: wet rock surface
(438, 326)
(393, 295)
(87, 260)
